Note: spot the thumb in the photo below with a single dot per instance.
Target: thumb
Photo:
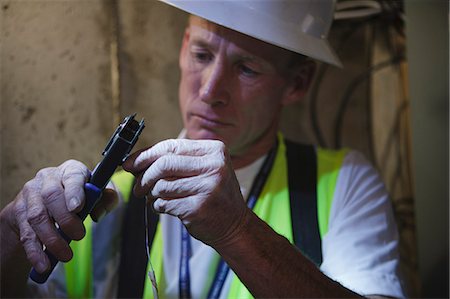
(128, 165)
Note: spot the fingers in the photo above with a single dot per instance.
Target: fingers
(105, 205)
(186, 208)
(140, 161)
(170, 207)
(74, 175)
(128, 165)
(169, 166)
(53, 195)
(174, 158)
(177, 188)
(192, 180)
(45, 203)
(29, 239)
(36, 223)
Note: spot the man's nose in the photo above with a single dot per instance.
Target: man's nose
(216, 80)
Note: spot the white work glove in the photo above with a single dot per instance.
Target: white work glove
(194, 181)
(54, 195)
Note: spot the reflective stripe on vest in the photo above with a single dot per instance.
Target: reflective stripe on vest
(79, 272)
(276, 191)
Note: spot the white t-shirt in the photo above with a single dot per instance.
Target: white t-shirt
(360, 249)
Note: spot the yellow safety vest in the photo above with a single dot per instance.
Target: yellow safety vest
(273, 207)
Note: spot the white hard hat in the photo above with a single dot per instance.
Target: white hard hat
(297, 25)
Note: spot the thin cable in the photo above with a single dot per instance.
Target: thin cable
(349, 92)
(313, 106)
(392, 135)
(356, 9)
(368, 102)
(151, 272)
(317, 84)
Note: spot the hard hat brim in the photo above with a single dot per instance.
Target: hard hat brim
(248, 21)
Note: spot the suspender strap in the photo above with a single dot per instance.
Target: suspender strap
(302, 170)
(133, 259)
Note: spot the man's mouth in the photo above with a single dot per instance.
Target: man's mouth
(209, 121)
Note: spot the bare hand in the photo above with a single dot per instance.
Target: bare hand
(194, 181)
(54, 196)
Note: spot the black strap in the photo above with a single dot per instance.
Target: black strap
(302, 172)
(133, 259)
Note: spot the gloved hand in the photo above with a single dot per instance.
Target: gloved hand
(194, 181)
(54, 195)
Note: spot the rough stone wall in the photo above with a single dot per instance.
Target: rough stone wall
(65, 87)
(149, 38)
(55, 88)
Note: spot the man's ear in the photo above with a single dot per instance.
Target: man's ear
(184, 45)
(300, 78)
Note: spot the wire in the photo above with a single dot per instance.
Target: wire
(356, 9)
(392, 134)
(368, 104)
(391, 14)
(317, 83)
(151, 272)
(313, 106)
(349, 92)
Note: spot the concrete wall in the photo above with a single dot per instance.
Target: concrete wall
(64, 87)
(150, 35)
(55, 87)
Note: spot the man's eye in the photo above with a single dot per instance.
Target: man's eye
(247, 71)
(202, 56)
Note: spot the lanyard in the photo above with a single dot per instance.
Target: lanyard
(222, 269)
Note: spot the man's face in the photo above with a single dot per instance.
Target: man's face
(232, 86)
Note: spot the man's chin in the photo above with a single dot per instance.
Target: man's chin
(205, 134)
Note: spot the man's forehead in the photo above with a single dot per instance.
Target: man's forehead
(212, 29)
(247, 43)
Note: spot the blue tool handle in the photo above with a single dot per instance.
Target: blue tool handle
(93, 193)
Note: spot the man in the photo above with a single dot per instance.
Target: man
(233, 87)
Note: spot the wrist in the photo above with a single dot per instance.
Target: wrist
(236, 232)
